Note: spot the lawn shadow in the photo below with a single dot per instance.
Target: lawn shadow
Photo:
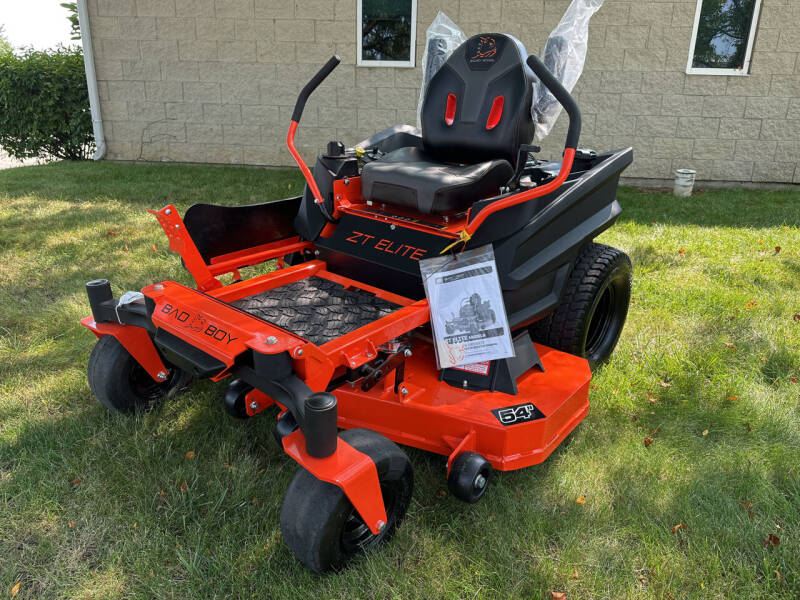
(150, 185)
(712, 208)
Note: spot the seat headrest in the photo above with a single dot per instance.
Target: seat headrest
(477, 106)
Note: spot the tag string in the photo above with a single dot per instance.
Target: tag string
(463, 236)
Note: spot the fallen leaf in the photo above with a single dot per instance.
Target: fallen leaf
(705, 432)
(189, 455)
(681, 251)
(162, 493)
(76, 482)
(15, 589)
(777, 249)
(733, 397)
(651, 398)
(796, 317)
(664, 384)
(772, 540)
(793, 379)
(748, 427)
(255, 500)
(575, 574)
(751, 516)
(153, 248)
(558, 596)
(747, 505)
(648, 441)
(134, 524)
(751, 305)
(111, 233)
(442, 493)
(730, 345)
(678, 527)
(581, 499)
(653, 431)
(780, 577)
(184, 487)
(71, 524)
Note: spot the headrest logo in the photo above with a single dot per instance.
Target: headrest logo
(487, 48)
(483, 51)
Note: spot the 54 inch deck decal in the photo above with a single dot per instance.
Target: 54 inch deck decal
(519, 413)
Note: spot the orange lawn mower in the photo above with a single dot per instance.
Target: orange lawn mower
(338, 336)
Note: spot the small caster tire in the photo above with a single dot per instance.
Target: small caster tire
(283, 427)
(320, 525)
(469, 477)
(121, 384)
(235, 398)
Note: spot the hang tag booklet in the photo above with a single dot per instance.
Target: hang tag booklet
(468, 317)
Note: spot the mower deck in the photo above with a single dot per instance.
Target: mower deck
(511, 431)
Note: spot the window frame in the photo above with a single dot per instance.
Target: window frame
(410, 63)
(745, 70)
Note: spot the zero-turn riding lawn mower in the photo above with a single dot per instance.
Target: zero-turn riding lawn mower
(338, 335)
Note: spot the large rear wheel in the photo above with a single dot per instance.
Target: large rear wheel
(592, 312)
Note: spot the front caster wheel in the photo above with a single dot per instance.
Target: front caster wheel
(235, 398)
(122, 385)
(469, 476)
(320, 525)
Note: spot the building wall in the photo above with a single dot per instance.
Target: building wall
(215, 81)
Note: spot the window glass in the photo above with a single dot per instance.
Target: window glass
(723, 34)
(386, 30)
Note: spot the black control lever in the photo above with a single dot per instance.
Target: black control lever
(326, 70)
(563, 96)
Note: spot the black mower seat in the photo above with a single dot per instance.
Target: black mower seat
(476, 114)
(411, 178)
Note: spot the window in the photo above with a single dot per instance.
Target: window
(722, 40)
(387, 33)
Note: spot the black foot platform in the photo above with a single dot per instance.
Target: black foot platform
(316, 309)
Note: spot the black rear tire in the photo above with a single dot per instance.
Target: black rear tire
(589, 319)
(320, 525)
(121, 383)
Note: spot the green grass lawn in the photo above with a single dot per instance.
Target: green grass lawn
(91, 504)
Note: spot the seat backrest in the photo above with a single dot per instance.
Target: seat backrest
(477, 106)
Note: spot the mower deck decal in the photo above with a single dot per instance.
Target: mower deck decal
(519, 413)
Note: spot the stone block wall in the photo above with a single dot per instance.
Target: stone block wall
(215, 81)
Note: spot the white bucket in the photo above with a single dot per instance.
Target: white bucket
(684, 182)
